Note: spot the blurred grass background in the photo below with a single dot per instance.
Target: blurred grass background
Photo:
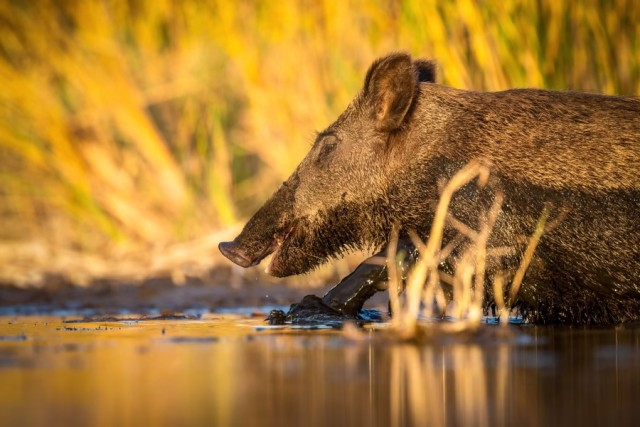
(136, 135)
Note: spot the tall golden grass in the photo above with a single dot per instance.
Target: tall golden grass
(127, 128)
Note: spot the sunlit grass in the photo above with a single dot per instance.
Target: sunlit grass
(130, 128)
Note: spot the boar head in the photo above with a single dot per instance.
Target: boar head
(339, 196)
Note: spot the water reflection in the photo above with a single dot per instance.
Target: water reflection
(222, 372)
(451, 386)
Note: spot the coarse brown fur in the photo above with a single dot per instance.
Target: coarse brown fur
(384, 158)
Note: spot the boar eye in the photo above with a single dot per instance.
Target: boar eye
(328, 146)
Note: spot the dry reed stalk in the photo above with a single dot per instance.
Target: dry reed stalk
(480, 245)
(427, 265)
(392, 271)
(528, 255)
(498, 296)
(468, 283)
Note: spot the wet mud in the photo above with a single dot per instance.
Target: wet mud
(312, 310)
(153, 297)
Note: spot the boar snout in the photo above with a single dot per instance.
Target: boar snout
(247, 254)
(235, 254)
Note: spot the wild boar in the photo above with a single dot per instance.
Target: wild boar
(382, 160)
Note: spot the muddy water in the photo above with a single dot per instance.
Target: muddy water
(229, 370)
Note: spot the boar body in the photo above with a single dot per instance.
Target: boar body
(384, 159)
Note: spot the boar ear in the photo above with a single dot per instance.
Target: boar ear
(389, 89)
(426, 70)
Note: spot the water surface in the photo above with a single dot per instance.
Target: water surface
(229, 369)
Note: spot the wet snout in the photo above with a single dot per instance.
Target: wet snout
(235, 254)
(263, 233)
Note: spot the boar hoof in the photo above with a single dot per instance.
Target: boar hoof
(276, 317)
(312, 310)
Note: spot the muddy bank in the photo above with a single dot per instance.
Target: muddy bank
(151, 296)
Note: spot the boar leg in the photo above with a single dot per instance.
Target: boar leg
(346, 298)
(370, 277)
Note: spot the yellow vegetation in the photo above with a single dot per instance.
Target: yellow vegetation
(127, 128)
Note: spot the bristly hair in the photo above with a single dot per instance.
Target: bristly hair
(333, 233)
